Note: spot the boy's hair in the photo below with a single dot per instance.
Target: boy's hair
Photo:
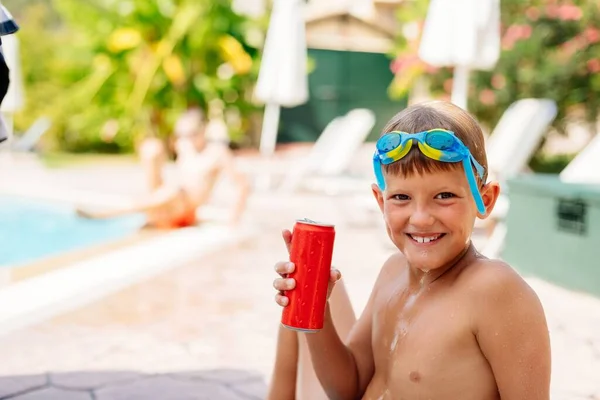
(431, 115)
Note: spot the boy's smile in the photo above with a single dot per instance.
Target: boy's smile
(429, 216)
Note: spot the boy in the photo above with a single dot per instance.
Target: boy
(199, 166)
(443, 322)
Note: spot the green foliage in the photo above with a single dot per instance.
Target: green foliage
(550, 48)
(547, 164)
(110, 71)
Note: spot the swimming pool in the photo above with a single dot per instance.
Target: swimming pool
(31, 230)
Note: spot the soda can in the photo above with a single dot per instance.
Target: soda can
(311, 252)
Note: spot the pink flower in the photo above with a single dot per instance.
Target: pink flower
(593, 65)
(396, 65)
(514, 33)
(498, 81)
(592, 35)
(487, 97)
(569, 12)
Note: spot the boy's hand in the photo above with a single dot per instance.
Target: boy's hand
(284, 268)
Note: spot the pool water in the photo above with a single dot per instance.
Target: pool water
(31, 230)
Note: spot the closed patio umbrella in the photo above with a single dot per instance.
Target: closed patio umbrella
(282, 80)
(464, 34)
(7, 74)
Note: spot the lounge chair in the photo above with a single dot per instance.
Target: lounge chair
(585, 167)
(517, 136)
(513, 142)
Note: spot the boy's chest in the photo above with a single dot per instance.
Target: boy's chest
(422, 343)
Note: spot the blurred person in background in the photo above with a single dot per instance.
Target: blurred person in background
(7, 27)
(199, 164)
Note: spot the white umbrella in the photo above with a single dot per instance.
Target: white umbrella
(464, 34)
(15, 96)
(282, 80)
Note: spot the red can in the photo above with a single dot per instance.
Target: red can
(311, 252)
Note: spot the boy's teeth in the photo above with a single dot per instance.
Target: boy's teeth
(423, 239)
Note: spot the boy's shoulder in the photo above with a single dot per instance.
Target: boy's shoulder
(486, 274)
(395, 263)
(492, 285)
(393, 266)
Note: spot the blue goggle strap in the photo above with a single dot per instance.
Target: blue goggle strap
(378, 172)
(473, 182)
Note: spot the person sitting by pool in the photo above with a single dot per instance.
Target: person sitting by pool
(199, 164)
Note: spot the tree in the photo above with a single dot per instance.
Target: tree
(550, 48)
(121, 69)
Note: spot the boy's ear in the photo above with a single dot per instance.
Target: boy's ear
(378, 195)
(489, 194)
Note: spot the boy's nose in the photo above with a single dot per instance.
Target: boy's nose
(421, 218)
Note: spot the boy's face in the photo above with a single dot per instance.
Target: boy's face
(430, 217)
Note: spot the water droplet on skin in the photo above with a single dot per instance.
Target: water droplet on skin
(394, 343)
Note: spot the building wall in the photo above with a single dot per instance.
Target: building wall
(347, 33)
(341, 81)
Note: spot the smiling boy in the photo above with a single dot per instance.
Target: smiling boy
(442, 322)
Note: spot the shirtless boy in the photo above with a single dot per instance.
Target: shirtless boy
(442, 322)
(199, 165)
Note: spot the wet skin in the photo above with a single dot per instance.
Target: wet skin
(423, 339)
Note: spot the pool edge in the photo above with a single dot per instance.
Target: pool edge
(39, 298)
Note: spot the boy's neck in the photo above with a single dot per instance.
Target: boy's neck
(422, 278)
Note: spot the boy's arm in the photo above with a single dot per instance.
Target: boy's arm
(345, 370)
(338, 367)
(513, 335)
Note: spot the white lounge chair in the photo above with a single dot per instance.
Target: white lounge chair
(332, 153)
(517, 136)
(585, 167)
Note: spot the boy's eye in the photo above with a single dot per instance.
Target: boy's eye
(400, 197)
(445, 195)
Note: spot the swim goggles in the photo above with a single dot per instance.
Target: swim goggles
(437, 144)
